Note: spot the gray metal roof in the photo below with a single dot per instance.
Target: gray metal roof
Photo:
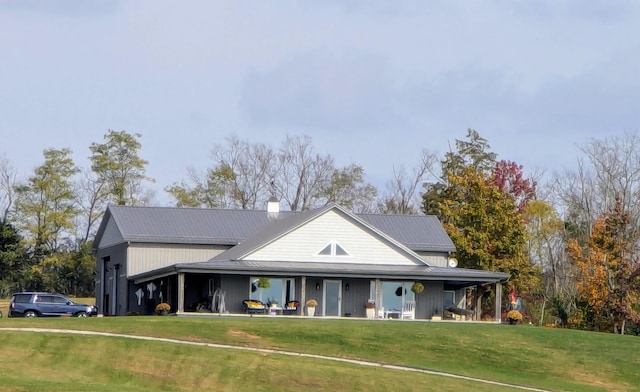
(281, 268)
(230, 227)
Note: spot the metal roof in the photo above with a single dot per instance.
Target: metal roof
(232, 226)
(372, 271)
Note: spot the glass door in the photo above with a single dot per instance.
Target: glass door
(332, 297)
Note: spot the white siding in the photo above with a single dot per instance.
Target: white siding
(304, 244)
(147, 257)
(111, 235)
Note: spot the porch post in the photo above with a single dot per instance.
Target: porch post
(303, 294)
(181, 292)
(478, 309)
(378, 297)
(498, 302)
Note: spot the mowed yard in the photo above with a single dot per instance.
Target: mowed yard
(551, 359)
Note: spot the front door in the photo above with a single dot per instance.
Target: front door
(332, 297)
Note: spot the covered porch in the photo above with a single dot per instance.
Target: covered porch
(219, 287)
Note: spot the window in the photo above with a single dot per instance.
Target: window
(280, 289)
(393, 294)
(333, 249)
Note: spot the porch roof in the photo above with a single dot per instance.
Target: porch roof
(457, 276)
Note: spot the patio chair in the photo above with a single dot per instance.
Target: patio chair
(253, 306)
(408, 310)
(291, 307)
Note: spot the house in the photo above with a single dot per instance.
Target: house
(212, 259)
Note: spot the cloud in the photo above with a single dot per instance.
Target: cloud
(321, 90)
(66, 7)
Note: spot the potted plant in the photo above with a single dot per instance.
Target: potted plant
(436, 316)
(273, 303)
(370, 307)
(311, 307)
(417, 287)
(264, 283)
(163, 309)
(514, 317)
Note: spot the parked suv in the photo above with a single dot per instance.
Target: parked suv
(47, 305)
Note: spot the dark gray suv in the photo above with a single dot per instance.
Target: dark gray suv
(47, 305)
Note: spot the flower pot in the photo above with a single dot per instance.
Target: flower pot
(163, 313)
(371, 312)
(311, 310)
(513, 321)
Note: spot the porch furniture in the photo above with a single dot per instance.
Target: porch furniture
(291, 307)
(253, 306)
(393, 313)
(408, 310)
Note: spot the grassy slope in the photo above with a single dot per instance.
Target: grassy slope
(545, 358)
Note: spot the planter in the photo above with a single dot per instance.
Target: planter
(311, 311)
(512, 321)
(163, 313)
(371, 312)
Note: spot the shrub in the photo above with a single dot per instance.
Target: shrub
(312, 303)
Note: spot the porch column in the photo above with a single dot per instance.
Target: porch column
(378, 297)
(498, 302)
(181, 292)
(303, 294)
(478, 309)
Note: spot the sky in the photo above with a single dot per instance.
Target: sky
(371, 82)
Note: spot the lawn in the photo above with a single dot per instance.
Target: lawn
(546, 358)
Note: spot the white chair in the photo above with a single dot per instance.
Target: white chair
(408, 310)
(381, 312)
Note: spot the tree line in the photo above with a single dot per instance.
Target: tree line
(570, 244)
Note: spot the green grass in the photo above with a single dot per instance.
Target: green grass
(545, 358)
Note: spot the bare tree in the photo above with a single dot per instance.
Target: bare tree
(247, 184)
(7, 183)
(301, 174)
(402, 195)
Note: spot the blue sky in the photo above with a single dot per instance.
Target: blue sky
(372, 82)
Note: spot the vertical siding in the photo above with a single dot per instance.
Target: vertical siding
(303, 244)
(236, 289)
(111, 235)
(434, 260)
(116, 255)
(353, 300)
(148, 257)
(313, 293)
(429, 300)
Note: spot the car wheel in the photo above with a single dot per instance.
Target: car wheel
(30, 314)
(81, 314)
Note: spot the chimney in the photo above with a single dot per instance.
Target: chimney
(273, 208)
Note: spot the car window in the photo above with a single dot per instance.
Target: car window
(21, 298)
(44, 298)
(60, 300)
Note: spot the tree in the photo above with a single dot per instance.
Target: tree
(402, 191)
(13, 259)
(7, 183)
(482, 218)
(300, 174)
(242, 171)
(609, 271)
(348, 188)
(117, 163)
(45, 204)
(509, 178)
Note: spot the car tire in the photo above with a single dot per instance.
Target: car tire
(81, 314)
(30, 314)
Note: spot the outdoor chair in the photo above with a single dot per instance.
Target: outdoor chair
(291, 307)
(253, 306)
(408, 310)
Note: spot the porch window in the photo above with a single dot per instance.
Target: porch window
(394, 294)
(280, 289)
